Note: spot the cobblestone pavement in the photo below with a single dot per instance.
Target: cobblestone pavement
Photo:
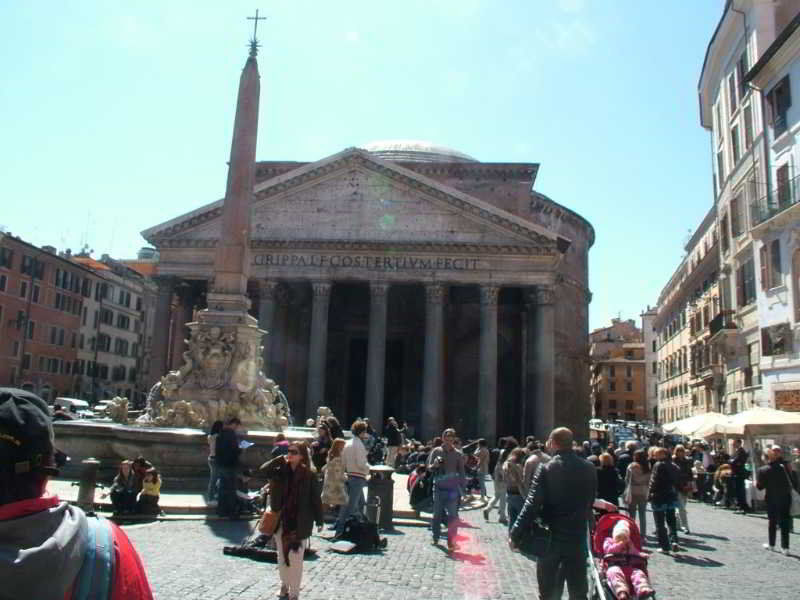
(723, 559)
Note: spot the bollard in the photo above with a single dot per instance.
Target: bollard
(88, 483)
(381, 487)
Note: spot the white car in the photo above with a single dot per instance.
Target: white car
(74, 406)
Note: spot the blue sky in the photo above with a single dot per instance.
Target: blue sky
(116, 116)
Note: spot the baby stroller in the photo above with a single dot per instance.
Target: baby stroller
(606, 518)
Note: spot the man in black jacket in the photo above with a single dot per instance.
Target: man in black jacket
(562, 495)
(778, 481)
(739, 468)
(227, 456)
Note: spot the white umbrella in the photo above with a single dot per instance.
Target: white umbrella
(690, 425)
(756, 422)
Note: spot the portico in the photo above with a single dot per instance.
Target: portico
(388, 291)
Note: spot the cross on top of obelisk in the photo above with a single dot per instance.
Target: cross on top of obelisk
(254, 42)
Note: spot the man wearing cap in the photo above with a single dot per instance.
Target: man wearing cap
(50, 550)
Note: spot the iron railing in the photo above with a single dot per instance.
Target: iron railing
(777, 201)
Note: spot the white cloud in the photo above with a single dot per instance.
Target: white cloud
(352, 36)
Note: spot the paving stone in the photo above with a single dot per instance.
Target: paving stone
(723, 559)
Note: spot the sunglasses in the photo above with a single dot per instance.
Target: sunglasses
(292, 451)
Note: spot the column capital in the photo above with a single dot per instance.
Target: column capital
(378, 289)
(165, 283)
(541, 295)
(268, 287)
(321, 289)
(434, 293)
(489, 294)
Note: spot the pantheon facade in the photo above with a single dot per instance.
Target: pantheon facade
(402, 279)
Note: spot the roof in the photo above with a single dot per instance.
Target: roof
(91, 263)
(415, 151)
(770, 52)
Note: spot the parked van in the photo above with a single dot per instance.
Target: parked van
(79, 408)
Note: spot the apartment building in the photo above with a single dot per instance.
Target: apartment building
(745, 102)
(775, 216)
(617, 357)
(112, 330)
(686, 308)
(41, 299)
(650, 339)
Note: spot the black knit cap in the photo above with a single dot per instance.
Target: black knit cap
(26, 433)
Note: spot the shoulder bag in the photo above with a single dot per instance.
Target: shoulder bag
(794, 509)
(535, 540)
(268, 522)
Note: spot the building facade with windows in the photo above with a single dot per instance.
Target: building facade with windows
(618, 377)
(747, 108)
(113, 329)
(650, 339)
(686, 308)
(775, 216)
(41, 299)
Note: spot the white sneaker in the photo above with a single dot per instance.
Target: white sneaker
(768, 547)
(785, 551)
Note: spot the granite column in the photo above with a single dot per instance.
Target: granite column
(433, 377)
(376, 354)
(315, 390)
(159, 363)
(487, 365)
(266, 317)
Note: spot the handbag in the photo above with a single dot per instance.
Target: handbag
(535, 540)
(627, 496)
(794, 508)
(268, 522)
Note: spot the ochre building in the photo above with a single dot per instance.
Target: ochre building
(403, 279)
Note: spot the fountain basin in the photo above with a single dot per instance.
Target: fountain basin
(180, 455)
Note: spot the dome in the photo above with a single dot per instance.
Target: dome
(415, 151)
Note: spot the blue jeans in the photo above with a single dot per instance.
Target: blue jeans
(515, 502)
(355, 501)
(213, 479)
(445, 504)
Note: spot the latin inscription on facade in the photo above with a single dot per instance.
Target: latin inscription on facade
(365, 261)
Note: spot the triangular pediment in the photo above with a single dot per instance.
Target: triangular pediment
(354, 197)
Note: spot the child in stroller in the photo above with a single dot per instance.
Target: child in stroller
(622, 563)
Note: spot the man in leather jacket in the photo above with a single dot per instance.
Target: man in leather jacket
(562, 495)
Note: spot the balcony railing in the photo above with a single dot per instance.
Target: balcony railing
(724, 320)
(777, 201)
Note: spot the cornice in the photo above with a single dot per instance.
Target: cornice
(493, 170)
(371, 246)
(542, 203)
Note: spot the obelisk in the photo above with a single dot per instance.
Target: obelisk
(232, 260)
(222, 375)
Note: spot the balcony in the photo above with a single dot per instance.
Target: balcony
(782, 202)
(723, 321)
(708, 375)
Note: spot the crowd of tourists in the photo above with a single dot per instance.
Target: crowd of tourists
(558, 483)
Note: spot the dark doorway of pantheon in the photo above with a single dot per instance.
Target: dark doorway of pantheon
(348, 336)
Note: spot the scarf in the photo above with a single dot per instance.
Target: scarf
(291, 507)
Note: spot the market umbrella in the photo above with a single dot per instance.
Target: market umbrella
(690, 425)
(755, 422)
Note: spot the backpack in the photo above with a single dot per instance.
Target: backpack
(95, 577)
(363, 534)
